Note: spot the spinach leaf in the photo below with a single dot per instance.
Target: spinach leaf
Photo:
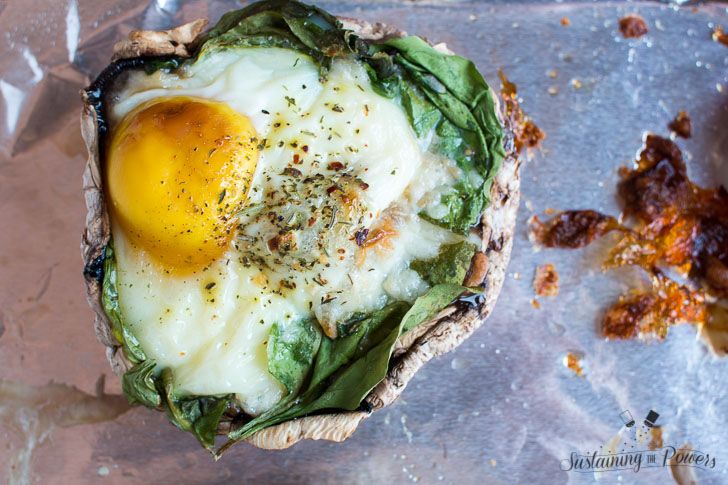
(446, 91)
(455, 88)
(464, 205)
(422, 114)
(462, 80)
(349, 385)
(110, 300)
(153, 65)
(335, 354)
(449, 266)
(427, 306)
(381, 71)
(467, 198)
(200, 415)
(291, 350)
(279, 23)
(138, 383)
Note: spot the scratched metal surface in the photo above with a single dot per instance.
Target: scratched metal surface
(502, 408)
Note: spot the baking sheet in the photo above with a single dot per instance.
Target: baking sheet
(502, 408)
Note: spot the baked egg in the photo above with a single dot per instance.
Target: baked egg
(245, 190)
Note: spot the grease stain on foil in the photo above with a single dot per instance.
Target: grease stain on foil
(33, 413)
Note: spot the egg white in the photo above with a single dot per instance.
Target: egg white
(214, 336)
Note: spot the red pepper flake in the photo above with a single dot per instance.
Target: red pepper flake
(311, 221)
(293, 172)
(361, 236)
(296, 159)
(363, 185)
(632, 26)
(305, 148)
(283, 242)
(333, 188)
(335, 166)
(565, 22)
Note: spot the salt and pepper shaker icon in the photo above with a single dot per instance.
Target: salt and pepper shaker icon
(627, 418)
(651, 418)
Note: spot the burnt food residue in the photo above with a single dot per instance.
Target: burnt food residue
(671, 223)
(632, 26)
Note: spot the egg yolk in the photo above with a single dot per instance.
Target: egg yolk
(177, 172)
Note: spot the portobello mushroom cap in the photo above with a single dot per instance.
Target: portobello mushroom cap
(442, 333)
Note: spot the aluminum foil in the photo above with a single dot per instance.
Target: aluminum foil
(502, 408)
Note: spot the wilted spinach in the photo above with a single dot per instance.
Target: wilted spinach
(291, 350)
(199, 415)
(139, 384)
(449, 266)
